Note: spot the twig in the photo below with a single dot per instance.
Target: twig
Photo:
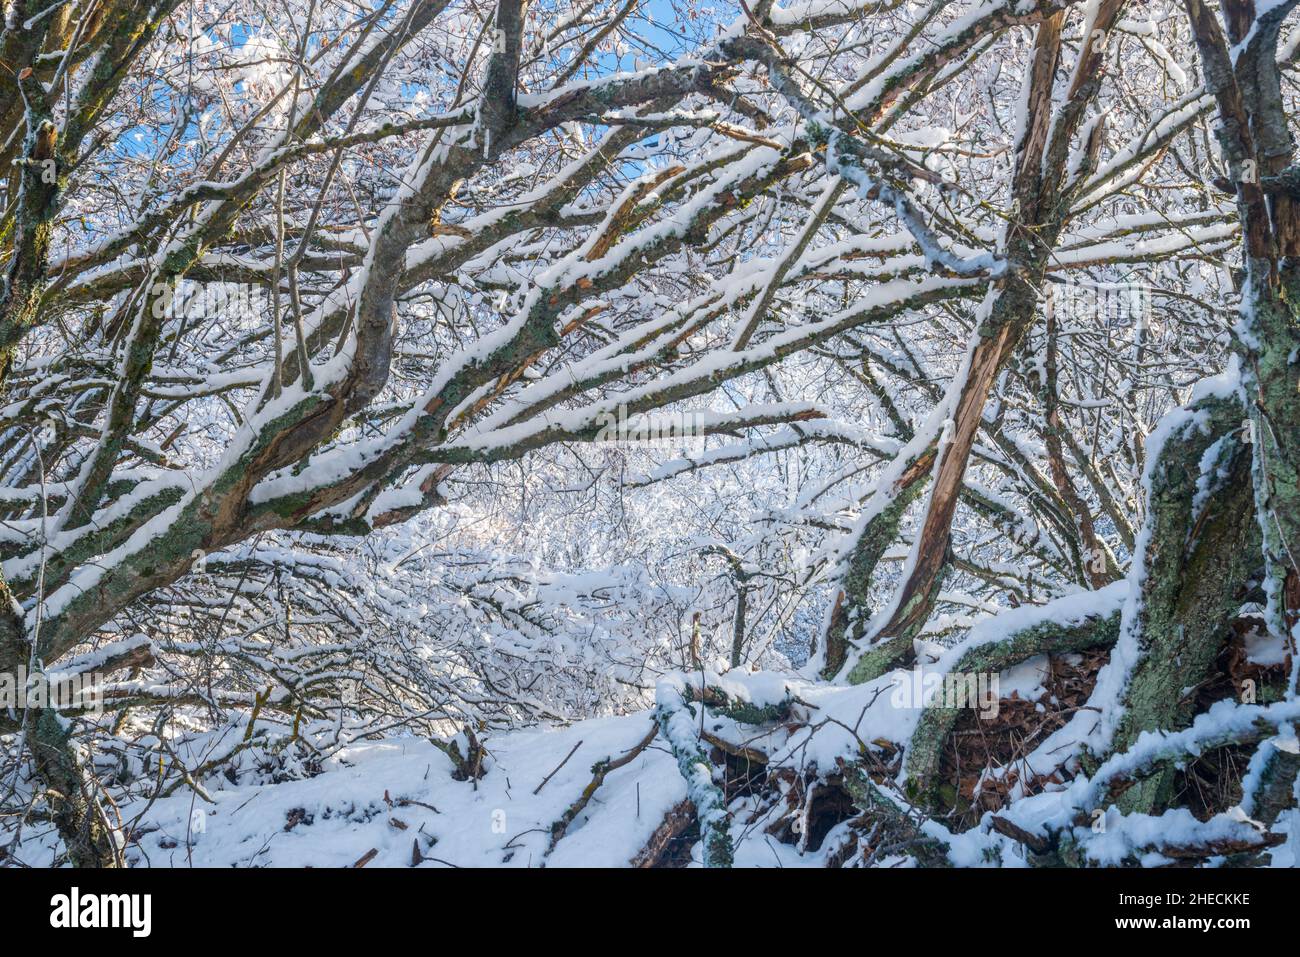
(367, 857)
(557, 768)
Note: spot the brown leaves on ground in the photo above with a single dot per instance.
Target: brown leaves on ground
(1212, 781)
(984, 759)
(979, 745)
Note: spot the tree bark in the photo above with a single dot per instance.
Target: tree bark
(1196, 563)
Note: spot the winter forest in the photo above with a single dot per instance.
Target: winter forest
(649, 433)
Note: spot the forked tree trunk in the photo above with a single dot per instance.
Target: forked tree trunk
(1042, 190)
(1242, 73)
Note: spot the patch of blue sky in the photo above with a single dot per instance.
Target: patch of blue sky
(656, 33)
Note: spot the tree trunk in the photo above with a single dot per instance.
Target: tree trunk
(76, 812)
(1197, 559)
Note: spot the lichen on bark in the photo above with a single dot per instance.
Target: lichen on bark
(1197, 558)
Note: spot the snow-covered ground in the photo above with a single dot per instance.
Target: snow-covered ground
(390, 795)
(397, 802)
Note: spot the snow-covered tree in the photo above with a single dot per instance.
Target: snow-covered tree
(442, 369)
